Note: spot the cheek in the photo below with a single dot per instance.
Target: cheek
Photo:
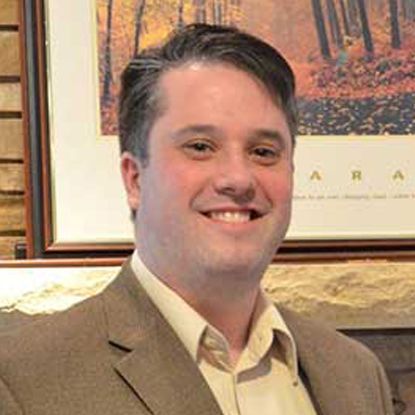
(279, 187)
(171, 192)
(285, 187)
(186, 178)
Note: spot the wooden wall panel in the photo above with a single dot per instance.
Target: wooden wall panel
(9, 53)
(11, 139)
(9, 12)
(10, 97)
(11, 214)
(7, 244)
(11, 177)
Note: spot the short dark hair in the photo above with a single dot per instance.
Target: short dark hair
(139, 98)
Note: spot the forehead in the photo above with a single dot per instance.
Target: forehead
(207, 84)
(219, 98)
(193, 71)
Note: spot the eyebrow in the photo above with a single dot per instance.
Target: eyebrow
(204, 129)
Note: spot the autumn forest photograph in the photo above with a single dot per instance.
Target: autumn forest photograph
(354, 60)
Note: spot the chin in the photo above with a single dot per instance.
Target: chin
(237, 263)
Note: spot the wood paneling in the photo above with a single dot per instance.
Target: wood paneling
(10, 97)
(9, 12)
(11, 139)
(11, 214)
(11, 177)
(9, 52)
(7, 244)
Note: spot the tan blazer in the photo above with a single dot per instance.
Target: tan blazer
(115, 354)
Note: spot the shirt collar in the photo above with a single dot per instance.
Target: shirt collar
(269, 331)
(187, 323)
(191, 327)
(284, 337)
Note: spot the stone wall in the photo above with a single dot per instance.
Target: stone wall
(367, 294)
(345, 296)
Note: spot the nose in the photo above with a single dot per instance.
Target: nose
(234, 177)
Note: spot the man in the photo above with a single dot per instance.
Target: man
(207, 127)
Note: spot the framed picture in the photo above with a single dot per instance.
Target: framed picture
(354, 64)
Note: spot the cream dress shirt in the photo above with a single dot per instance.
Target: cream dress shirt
(264, 381)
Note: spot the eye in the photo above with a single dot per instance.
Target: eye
(266, 154)
(199, 149)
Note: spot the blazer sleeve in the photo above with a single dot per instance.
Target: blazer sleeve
(8, 405)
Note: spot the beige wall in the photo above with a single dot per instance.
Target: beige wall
(12, 228)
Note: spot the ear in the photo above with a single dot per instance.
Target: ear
(130, 171)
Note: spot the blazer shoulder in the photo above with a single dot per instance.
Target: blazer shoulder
(53, 330)
(316, 333)
(83, 322)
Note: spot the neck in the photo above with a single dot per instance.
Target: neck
(228, 308)
(225, 296)
(232, 319)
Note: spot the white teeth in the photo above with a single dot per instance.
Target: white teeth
(231, 217)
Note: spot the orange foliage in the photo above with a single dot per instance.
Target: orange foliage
(290, 27)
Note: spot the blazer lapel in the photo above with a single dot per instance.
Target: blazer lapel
(155, 363)
(328, 373)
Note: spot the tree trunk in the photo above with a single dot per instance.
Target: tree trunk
(395, 33)
(200, 11)
(404, 8)
(217, 12)
(106, 90)
(345, 19)
(138, 18)
(367, 36)
(353, 13)
(408, 10)
(225, 12)
(321, 29)
(180, 21)
(334, 24)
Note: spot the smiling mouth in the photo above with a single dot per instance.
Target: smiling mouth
(233, 216)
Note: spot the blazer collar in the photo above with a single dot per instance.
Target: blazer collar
(155, 364)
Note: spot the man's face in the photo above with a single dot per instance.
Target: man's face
(215, 196)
